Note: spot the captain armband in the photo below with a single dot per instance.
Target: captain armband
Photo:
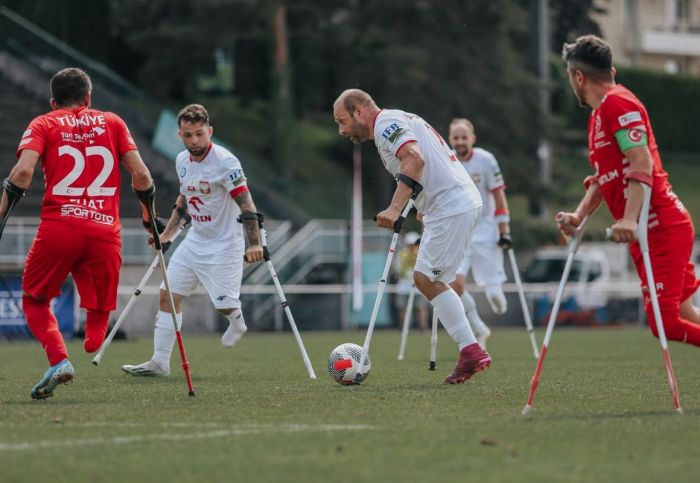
(502, 216)
(640, 176)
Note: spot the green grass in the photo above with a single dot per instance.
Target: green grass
(602, 413)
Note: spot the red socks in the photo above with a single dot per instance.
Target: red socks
(44, 326)
(95, 329)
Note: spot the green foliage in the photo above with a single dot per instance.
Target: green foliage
(667, 97)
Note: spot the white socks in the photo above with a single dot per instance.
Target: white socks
(235, 330)
(497, 299)
(450, 311)
(164, 338)
(472, 315)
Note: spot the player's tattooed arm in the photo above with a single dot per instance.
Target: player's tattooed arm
(178, 217)
(251, 228)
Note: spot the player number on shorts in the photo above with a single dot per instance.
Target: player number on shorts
(64, 188)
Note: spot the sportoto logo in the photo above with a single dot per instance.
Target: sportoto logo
(196, 202)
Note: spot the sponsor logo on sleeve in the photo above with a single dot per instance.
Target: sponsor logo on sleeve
(236, 176)
(27, 133)
(393, 133)
(183, 172)
(629, 118)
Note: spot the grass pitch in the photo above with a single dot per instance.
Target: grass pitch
(602, 413)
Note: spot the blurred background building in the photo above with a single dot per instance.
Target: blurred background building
(655, 34)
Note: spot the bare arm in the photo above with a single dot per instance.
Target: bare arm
(21, 174)
(640, 159)
(140, 176)
(412, 163)
(176, 220)
(567, 222)
(254, 251)
(499, 197)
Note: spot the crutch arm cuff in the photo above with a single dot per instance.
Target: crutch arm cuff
(12, 190)
(415, 186)
(251, 215)
(641, 177)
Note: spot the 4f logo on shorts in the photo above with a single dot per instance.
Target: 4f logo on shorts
(204, 187)
(221, 298)
(195, 202)
(436, 272)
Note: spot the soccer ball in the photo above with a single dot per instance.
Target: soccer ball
(344, 362)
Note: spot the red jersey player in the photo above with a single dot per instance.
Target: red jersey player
(624, 155)
(79, 233)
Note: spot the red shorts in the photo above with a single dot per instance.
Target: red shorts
(94, 264)
(674, 273)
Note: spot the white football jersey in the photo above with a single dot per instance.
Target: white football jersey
(209, 186)
(447, 189)
(484, 171)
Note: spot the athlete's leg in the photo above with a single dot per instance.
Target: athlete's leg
(44, 327)
(183, 281)
(690, 312)
(48, 264)
(675, 282)
(236, 327)
(481, 330)
(96, 276)
(488, 271)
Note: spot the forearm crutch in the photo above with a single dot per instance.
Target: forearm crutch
(642, 236)
(407, 321)
(433, 342)
(283, 300)
(417, 188)
(523, 301)
(137, 292)
(573, 247)
(148, 200)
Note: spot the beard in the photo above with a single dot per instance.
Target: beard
(462, 151)
(357, 133)
(580, 97)
(198, 151)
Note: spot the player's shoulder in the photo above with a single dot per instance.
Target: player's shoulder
(619, 95)
(182, 157)
(485, 156)
(223, 156)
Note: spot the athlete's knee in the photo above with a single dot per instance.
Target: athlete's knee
(226, 311)
(496, 298)
(164, 301)
(458, 285)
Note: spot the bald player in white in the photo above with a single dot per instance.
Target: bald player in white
(451, 206)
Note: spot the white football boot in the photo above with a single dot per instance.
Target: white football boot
(147, 369)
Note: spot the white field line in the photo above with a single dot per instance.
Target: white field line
(217, 433)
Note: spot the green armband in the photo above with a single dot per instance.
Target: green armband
(631, 138)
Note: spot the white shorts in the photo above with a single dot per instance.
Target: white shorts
(220, 276)
(444, 245)
(486, 263)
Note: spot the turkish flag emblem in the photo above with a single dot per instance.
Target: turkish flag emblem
(635, 135)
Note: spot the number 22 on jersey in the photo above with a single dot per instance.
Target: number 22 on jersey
(96, 187)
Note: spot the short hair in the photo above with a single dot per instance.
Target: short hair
(69, 86)
(356, 97)
(591, 55)
(193, 113)
(462, 120)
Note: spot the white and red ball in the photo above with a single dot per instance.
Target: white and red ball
(344, 362)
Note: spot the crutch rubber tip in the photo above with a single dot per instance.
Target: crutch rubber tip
(191, 393)
(95, 362)
(431, 367)
(526, 410)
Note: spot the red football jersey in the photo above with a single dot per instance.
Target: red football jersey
(619, 123)
(80, 150)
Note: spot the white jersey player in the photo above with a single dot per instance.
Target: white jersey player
(415, 153)
(485, 254)
(213, 190)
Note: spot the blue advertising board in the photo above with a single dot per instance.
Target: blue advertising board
(12, 322)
